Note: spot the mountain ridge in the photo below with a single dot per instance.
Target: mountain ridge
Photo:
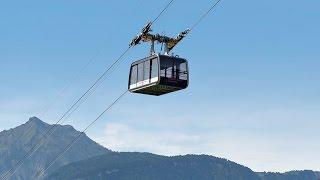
(16, 142)
(143, 166)
(156, 167)
(89, 160)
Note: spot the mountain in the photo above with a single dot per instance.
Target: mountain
(15, 143)
(292, 175)
(145, 166)
(88, 160)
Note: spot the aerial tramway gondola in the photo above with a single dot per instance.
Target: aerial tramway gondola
(158, 74)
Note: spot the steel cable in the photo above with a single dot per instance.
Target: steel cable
(51, 129)
(50, 132)
(41, 172)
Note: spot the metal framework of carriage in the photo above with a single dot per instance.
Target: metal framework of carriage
(158, 74)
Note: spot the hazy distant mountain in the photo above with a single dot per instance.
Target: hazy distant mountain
(14, 144)
(292, 175)
(87, 160)
(145, 166)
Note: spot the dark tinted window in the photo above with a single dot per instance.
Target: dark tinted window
(169, 72)
(166, 65)
(154, 68)
(133, 76)
(140, 72)
(173, 72)
(146, 70)
(182, 71)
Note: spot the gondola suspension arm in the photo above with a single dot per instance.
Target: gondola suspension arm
(147, 36)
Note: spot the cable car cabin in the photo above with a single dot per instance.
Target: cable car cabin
(158, 74)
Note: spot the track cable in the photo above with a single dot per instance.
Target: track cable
(48, 107)
(76, 104)
(42, 172)
(51, 130)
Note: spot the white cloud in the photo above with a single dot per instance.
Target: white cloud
(121, 137)
(260, 153)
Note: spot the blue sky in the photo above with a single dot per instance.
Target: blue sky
(254, 89)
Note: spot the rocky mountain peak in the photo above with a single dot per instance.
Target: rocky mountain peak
(36, 121)
(16, 142)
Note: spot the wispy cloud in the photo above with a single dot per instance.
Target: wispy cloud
(121, 137)
(258, 152)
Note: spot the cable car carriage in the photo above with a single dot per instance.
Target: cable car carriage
(158, 74)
